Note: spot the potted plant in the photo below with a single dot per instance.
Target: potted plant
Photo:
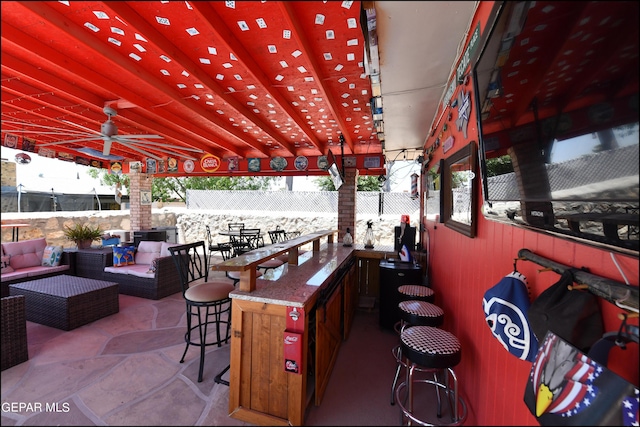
(83, 234)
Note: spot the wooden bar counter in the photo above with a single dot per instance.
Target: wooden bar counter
(313, 297)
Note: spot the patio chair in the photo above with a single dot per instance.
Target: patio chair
(228, 251)
(235, 226)
(207, 302)
(239, 245)
(278, 235)
(253, 237)
(213, 247)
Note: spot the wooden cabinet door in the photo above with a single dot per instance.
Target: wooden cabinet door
(350, 289)
(328, 340)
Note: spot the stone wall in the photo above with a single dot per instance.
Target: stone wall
(191, 223)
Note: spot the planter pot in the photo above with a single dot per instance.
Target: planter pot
(84, 244)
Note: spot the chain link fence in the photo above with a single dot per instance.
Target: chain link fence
(367, 202)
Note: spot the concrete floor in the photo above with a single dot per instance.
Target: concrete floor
(124, 370)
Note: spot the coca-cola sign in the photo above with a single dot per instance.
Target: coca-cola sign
(210, 163)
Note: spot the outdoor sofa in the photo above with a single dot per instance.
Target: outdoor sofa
(25, 260)
(150, 273)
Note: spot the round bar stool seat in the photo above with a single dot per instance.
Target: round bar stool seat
(420, 313)
(416, 292)
(413, 313)
(430, 349)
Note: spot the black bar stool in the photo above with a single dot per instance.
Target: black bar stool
(208, 302)
(430, 349)
(413, 313)
(416, 292)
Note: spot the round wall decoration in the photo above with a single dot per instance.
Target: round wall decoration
(278, 163)
(23, 158)
(189, 166)
(323, 163)
(301, 163)
(253, 164)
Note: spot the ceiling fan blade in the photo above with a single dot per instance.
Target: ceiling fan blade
(40, 129)
(140, 136)
(95, 153)
(141, 151)
(93, 131)
(168, 152)
(68, 141)
(155, 144)
(106, 149)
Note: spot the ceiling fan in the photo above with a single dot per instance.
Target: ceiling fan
(109, 134)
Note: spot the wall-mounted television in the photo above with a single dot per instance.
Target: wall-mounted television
(557, 108)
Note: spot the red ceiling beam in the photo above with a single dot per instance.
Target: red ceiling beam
(144, 78)
(153, 36)
(219, 27)
(74, 91)
(290, 16)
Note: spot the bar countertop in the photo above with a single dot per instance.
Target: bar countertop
(297, 285)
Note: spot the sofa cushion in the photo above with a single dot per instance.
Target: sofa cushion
(123, 255)
(33, 272)
(38, 271)
(26, 253)
(148, 251)
(14, 275)
(139, 270)
(6, 266)
(51, 256)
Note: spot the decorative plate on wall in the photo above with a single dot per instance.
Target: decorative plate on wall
(189, 166)
(278, 163)
(253, 164)
(323, 163)
(301, 163)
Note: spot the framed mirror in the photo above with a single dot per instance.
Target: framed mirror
(459, 190)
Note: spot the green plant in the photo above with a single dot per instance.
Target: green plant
(81, 232)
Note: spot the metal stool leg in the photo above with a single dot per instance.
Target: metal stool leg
(434, 352)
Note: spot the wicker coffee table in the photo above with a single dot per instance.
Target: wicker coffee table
(67, 302)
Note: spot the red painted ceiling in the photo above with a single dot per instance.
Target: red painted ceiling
(232, 80)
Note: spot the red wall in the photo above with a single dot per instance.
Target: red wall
(461, 269)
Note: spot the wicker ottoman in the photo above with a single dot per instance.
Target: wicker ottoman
(67, 302)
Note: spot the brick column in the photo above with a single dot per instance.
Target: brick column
(347, 203)
(140, 214)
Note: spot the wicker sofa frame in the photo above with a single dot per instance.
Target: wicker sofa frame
(166, 281)
(90, 263)
(13, 331)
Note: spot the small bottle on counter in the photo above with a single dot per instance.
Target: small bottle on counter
(347, 240)
(368, 236)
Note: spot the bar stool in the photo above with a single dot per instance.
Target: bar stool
(413, 313)
(430, 349)
(416, 292)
